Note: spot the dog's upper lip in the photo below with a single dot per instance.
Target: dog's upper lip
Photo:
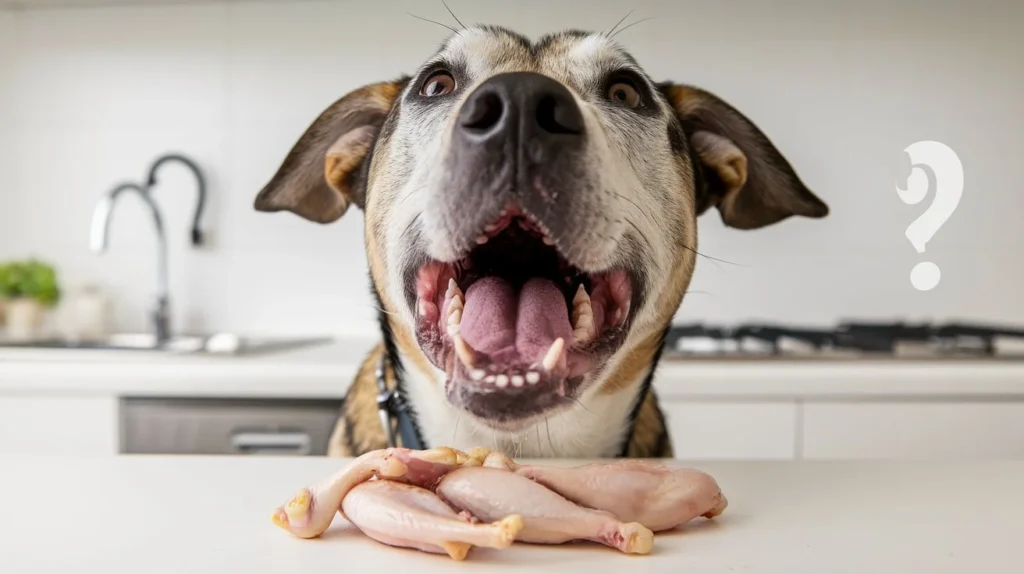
(513, 214)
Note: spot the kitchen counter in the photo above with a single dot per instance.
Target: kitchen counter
(325, 371)
(199, 515)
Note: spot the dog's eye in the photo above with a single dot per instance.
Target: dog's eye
(438, 84)
(624, 93)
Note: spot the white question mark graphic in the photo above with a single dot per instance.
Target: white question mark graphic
(949, 186)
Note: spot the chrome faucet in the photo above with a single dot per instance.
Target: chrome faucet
(101, 225)
(98, 242)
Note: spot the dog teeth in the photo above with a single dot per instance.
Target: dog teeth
(489, 379)
(554, 353)
(547, 240)
(501, 381)
(477, 374)
(463, 351)
(582, 316)
(453, 289)
(517, 380)
(533, 377)
(481, 239)
(454, 321)
(455, 306)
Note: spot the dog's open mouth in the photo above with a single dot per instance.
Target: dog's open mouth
(514, 324)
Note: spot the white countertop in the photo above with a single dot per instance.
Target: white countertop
(199, 515)
(326, 371)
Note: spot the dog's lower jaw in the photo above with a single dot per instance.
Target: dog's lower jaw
(594, 427)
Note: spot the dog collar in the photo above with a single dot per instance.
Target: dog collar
(394, 412)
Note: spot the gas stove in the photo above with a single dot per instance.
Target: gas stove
(847, 340)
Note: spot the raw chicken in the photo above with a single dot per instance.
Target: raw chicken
(310, 512)
(655, 495)
(491, 493)
(408, 516)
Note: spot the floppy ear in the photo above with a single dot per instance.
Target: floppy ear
(746, 178)
(319, 178)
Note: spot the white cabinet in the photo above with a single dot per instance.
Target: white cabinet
(913, 430)
(732, 430)
(58, 425)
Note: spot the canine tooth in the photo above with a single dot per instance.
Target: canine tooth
(453, 330)
(517, 380)
(455, 316)
(489, 379)
(554, 353)
(456, 304)
(477, 374)
(453, 289)
(501, 380)
(582, 316)
(533, 377)
(548, 241)
(463, 351)
(581, 296)
(481, 239)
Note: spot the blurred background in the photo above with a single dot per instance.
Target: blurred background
(804, 339)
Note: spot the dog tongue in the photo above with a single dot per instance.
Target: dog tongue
(514, 327)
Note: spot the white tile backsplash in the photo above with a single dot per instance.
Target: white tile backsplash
(88, 97)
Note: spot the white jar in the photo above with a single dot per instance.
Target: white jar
(87, 314)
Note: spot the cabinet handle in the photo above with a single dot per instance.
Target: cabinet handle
(271, 443)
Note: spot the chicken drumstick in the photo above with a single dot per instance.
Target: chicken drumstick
(310, 512)
(407, 516)
(655, 495)
(490, 494)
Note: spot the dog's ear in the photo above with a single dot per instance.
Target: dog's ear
(319, 178)
(745, 176)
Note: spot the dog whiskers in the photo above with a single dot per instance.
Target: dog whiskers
(433, 22)
(630, 26)
(617, 24)
(583, 406)
(376, 308)
(710, 258)
(547, 430)
(643, 235)
(455, 433)
(632, 201)
(453, 14)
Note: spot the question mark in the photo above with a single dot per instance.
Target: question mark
(949, 186)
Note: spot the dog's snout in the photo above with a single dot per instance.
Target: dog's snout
(521, 105)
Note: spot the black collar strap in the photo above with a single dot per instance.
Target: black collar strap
(392, 408)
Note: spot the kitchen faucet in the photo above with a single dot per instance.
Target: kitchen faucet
(101, 225)
(197, 234)
(98, 243)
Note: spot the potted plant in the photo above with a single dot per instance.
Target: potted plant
(27, 289)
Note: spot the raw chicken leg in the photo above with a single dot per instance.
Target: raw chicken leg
(309, 513)
(491, 493)
(408, 516)
(655, 495)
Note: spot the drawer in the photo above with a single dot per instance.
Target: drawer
(914, 430)
(747, 431)
(228, 426)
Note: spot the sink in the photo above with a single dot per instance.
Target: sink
(213, 344)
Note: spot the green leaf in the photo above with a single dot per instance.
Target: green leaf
(30, 279)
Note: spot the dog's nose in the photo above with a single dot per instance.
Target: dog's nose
(521, 105)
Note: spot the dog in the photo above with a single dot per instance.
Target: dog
(531, 228)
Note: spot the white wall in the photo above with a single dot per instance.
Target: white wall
(842, 88)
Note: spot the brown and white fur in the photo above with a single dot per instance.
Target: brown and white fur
(608, 167)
